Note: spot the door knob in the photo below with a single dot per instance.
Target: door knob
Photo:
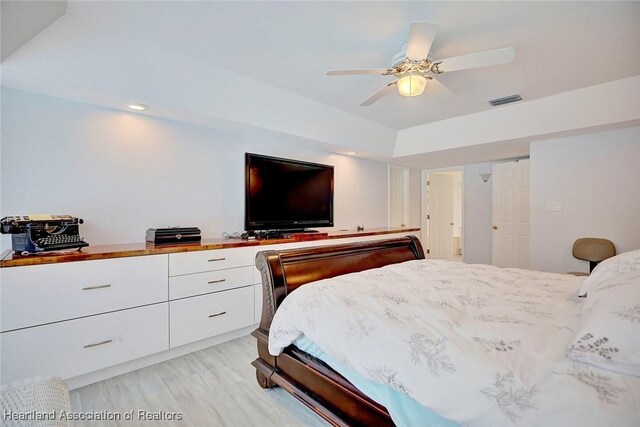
(451, 223)
(495, 227)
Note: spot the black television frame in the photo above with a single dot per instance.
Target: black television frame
(285, 226)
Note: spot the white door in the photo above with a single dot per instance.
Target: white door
(510, 243)
(440, 215)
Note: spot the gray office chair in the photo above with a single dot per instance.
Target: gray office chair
(593, 250)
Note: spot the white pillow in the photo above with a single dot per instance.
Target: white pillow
(609, 331)
(622, 263)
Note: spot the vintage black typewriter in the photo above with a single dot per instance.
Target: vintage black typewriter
(39, 233)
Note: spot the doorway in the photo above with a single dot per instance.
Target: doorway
(442, 213)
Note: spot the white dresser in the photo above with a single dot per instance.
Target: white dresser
(73, 318)
(210, 293)
(93, 319)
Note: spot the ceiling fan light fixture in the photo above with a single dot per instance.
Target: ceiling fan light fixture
(412, 85)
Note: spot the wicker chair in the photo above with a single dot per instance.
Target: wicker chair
(593, 250)
(39, 395)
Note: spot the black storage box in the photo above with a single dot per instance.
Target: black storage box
(173, 235)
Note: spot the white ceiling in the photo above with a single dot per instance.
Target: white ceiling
(560, 47)
(21, 21)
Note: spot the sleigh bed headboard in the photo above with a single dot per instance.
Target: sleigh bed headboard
(284, 271)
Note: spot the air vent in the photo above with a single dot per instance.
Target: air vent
(505, 100)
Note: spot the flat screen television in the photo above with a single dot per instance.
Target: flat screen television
(287, 195)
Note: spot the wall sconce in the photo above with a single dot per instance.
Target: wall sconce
(485, 177)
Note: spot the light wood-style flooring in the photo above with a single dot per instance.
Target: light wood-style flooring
(211, 387)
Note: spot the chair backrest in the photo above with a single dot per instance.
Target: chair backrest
(593, 250)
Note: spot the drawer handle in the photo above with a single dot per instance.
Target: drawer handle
(90, 288)
(217, 259)
(216, 281)
(218, 314)
(97, 344)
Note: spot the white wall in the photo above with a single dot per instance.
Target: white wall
(477, 215)
(123, 172)
(597, 179)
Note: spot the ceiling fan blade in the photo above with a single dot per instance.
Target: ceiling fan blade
(377, 71)
(436, 89)
(421, 35)
(379, 94)
(476, 60)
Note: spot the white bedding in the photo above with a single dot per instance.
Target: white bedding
(477, 344)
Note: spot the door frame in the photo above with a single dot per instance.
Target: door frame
(424, 203)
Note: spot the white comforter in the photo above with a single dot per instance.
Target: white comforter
(477, 344)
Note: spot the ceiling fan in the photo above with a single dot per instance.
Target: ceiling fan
(413, 67)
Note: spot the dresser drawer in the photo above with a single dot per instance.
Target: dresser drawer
(204, 316)
(38, 294)
(76, 347)
(198, 262)
(212, 281)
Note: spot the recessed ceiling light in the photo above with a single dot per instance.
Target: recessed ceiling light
(351, 153)
(138, 107)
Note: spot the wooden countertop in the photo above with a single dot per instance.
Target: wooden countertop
(11, 259)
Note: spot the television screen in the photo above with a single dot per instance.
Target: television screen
(283, 194)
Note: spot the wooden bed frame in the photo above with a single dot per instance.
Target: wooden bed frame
(309, 379)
